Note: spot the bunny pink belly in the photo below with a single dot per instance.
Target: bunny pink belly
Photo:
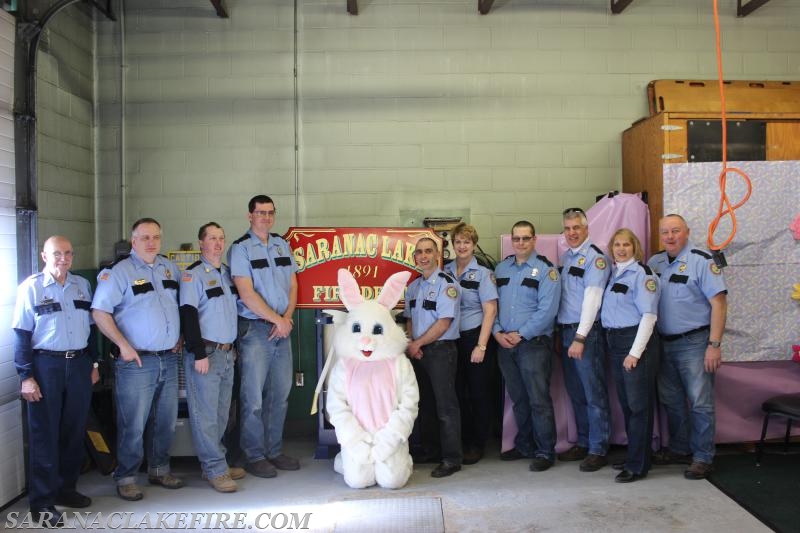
(371, 392)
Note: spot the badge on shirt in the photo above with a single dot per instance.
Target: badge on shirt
(682, 267)
(46, 301)
(650, 285)
(187, 276)
(581, 261)
(715, 269)
(471, 275)
(452, 292)
(535, 272)
(140, 282)
(168, 274)
(432, 295)
(212, 283)
(553, 274)
(600, 263)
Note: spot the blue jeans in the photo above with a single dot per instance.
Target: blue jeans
(636, 391)
(266, 369)
(57, 426)
(147, 402)
(585, 380)
(209, 398)
(683, 377)
(526, 369)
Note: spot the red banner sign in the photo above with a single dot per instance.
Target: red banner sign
(370, 254)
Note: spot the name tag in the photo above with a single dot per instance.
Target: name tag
(620, 288)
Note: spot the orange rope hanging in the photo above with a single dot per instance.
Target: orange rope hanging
(725, 207)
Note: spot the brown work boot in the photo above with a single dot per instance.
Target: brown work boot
(576, 453)
(698, 470)
(261, 468)
(593, 463)
(236, 473)
(168, 481)
(130, 492)
(665, 456)
(223, 483)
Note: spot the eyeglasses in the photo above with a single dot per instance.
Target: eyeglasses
(569, 210)
(264, 213)
(59, 255)
(526, 238)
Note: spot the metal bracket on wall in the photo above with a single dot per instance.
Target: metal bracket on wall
(484, 6)
(352, 7)
(618, 6)
(219, 5)
(742, 10)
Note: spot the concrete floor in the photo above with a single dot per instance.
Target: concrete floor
(489, 496)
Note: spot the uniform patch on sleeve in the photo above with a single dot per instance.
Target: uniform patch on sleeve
(553, 274)
(493, 278)
(650, 285)
(104, 275)
(187, 276)
(714, 268)
(600, 263)
(452, 292)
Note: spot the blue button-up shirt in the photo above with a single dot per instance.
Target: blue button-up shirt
(586, 267)
(211, 292)
(428, 300)
(143, 299)
(57, 316)
(630, 293)
(529, 294)
(477, 287)
(270, 266)
(688, 285)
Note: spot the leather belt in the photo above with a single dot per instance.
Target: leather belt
(150, 352)
(619, 331)
(539, 338)
(570, 326)
(218, 346)
(670, 338)
(68, 354)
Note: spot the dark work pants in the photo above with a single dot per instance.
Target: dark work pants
(474, 389)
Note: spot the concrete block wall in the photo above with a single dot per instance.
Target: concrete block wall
(65, 132)
(413, 106)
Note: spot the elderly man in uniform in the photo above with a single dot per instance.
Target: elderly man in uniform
(691, 320)
(136, 307)
(585, 273)
(528, 286)
(53, 333)
(208, 322)
(432, 320)
(264, 272)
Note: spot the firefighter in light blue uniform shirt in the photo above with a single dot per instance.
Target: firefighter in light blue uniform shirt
(692, 313)
(584, 276)
(136, 307)
(209, 322)
(428, 300)
(52, 328)
(529, 288)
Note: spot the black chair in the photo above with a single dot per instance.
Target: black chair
(785, 405)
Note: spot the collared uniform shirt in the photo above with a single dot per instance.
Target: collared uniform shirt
(688, 285)
(586, 267)
(477, 287)
(428, 300)
(212, 293)
(630, 293)
(529, 294)
(270, 266)
(58, 316)
(143, 300)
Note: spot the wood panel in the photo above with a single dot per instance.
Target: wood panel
(741, 96)
(783, 141)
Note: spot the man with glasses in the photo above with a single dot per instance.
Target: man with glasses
(136, 307)
(52, 337)
(691, 320)
(585, 272)
(528, 286)
(264, 273)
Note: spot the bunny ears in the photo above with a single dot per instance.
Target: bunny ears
(350, 294)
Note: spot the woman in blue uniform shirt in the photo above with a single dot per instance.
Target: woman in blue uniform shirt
(628, 314)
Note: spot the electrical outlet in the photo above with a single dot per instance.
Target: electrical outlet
(299, 379)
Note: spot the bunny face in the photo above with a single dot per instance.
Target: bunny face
(369, 333)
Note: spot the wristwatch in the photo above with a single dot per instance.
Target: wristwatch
(481, 347)
(714, 344)
(95, 365)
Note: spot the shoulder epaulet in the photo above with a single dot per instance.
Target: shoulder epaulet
(701, 253)
(596, 248)
(544, 260)
(508, 257)
(198, 262)
(242, 238)
(446, 277)
(275, 235)
(118, 259)
(647, 269)
(164, 256)
(660, 252)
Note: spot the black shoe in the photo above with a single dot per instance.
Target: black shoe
(511, 455)
(48, 517)
(445, 469)
(73, 499)
(626, 476)
(593, 463)
(576, 453)
(472, 455)
(618, 466)
(665, 456)
(540, 464)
